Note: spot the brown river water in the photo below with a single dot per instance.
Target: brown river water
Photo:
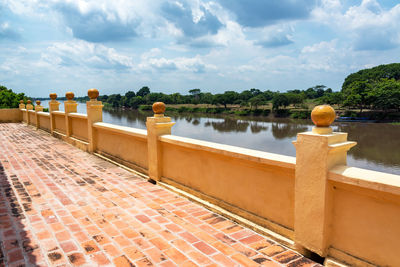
(378, 144)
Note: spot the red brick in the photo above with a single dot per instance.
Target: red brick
(90, 247)
(100, 259)
(77, 259)
(203, 247)
(251, 239)
(68, 246)
(122, 261)
(176, 256)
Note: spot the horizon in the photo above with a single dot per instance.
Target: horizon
(175, 46)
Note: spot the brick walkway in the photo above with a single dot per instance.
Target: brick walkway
(60, 206)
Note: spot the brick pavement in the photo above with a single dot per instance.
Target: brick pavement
(60, 206)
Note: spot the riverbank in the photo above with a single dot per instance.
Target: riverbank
(267, 111)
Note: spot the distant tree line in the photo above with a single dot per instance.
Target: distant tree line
(252, 98)
(377, 88)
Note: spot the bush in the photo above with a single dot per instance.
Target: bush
(145, 107)
(300, 114)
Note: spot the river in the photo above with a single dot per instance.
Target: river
(378, 144)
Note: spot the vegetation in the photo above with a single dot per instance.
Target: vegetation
(9, 99)
(376, 89)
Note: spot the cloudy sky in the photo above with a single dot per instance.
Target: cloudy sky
(173, 46)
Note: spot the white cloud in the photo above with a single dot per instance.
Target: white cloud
(368, 26)
(85, 54)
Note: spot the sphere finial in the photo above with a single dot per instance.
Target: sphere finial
(323, 115)
(38, 102)
(29, 102)
(70, 95)
(21, 101)
(158, 108)
(53, 96)
(93, 93)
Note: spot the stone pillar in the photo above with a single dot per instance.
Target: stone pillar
(29, 106)
(21, 104)
(70, 106)
(94, 114)
(316, 153)
(156, 126)
(54, 105)
(22, 107)
(38, 108)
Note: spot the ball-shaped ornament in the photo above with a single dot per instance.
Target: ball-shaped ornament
(93, 93)
(158, 108)
(323, 115)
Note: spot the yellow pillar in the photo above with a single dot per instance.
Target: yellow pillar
(94, 114)
(156, 126)
(316, 153)
(38, 108)
(54, 105)
(70, 106)
(21, 104)
(22, 108)
(29, 106)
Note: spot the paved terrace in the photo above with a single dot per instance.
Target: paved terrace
(60, 206)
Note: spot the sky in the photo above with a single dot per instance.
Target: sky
(174, 46)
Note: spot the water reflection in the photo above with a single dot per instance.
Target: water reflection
(284, 130)
(378, 145)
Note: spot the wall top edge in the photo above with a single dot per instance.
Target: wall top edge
(77, 115)
(41, 113)
(59, 112)
(121, 129)
(233, 151)
(379, 181)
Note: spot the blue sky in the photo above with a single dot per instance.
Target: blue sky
(177, 45)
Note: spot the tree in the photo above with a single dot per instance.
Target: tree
(295, 99)
(229, 97)
(357, 94)
(331, 98)
(280, 100)
(130, 94)
(388, 71)
(386, 95)
(9, 99)
(256, 101)
(195, 95)
(135, 102)
(143, 91)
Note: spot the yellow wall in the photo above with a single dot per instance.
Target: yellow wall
(32, 117)
(365, 215)
(238, 179)
(44, 121)
(10, 115)
(59, 119)
(79, 128)
(124, 144)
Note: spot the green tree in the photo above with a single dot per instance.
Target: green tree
(280, 100)
(295, 99)
(256, 101)
(386, 95)
(9, 99)
(143, 91)
(357, 94)
(130, 94)
(388, 71)
(135, 102)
